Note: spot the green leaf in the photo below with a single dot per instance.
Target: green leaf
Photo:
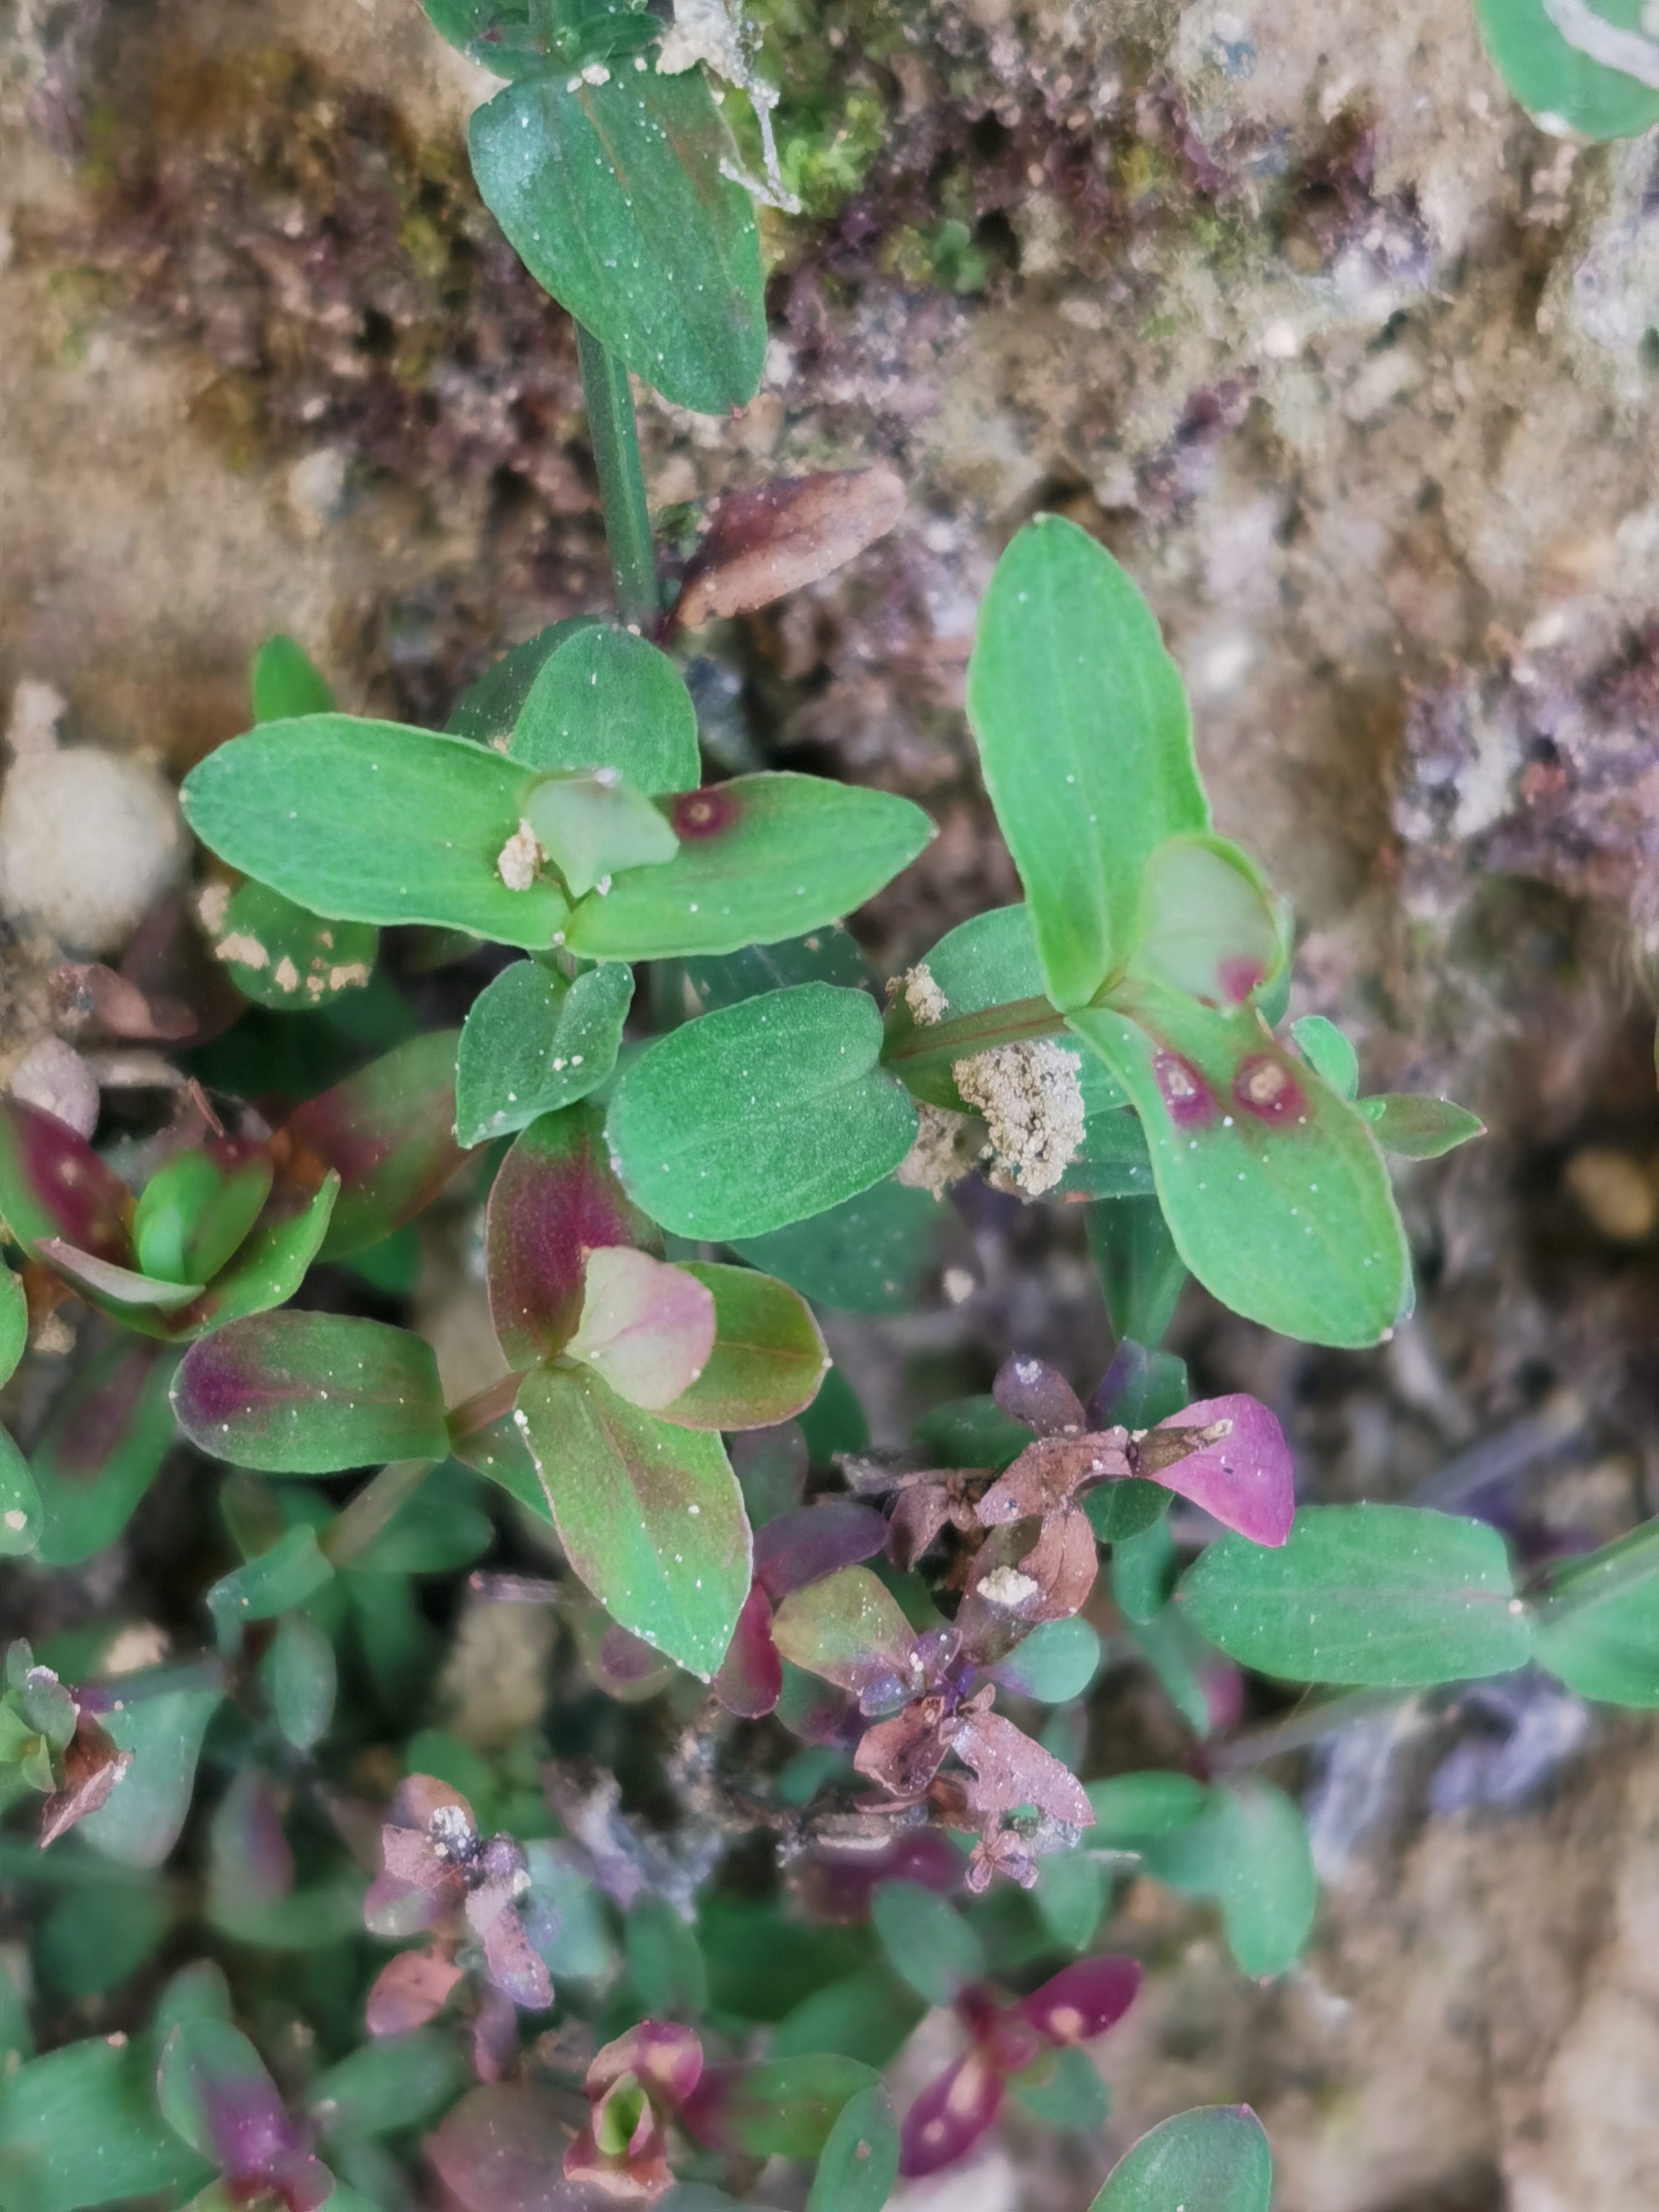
(436, 1529)
(1143, 1571)
(389, 1132)
(664, 1962)
(284, 956)
(160, 1719)
(308, 1394)
(1064, 2088)
(775, 2108)
(534, 1042)
(1071, 1897)
(1579, 68)
(863, 2015)
(486, 711)
(285, 683)
(14, 1323)
(1419, 1129)
(762, 857)
(597, 826)
(1389, 1595)
(760, 1115)
(1274, 1192)
(1085, 741)
(928, 1943)
(769, 1357)
(194, 1213)
(848, 1629)
(1329, 1053)
(387, 2085)
(1214, 2160)
(299, 1676)
(612, 195)
(79, 2128)
(1054, 1663)
(374, 822)
(1598, 1628)
(1141, 1273)
(865, 1255)
(94, 1938)
(22, 1517)
(606, 699)
(291, 1571)
(651, 1516)
(1207, 928)
(102, 1447)
(710, 981)
(269, 1267)
(859, 2163)
(1249, 1850)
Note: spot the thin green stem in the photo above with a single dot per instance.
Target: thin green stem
(1611, 1573)
(940, 1043)
(357, 1524)
(615, 438)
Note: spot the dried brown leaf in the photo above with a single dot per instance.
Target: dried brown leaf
(775, 537)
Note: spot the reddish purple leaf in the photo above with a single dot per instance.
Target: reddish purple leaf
(107, 1284)
(91, 1767)
(1083, 2000)
(1048, 1473)
(1038, 1396)
(310, 1394)
(837, 1882)
(53, 1184)
(410, 1991)
(251, 1861)
(1009, 1771)
(495, 2036)
(905, 1753)
(627, 1659)
(751, 1676)
(818, 1713)
(389, 1131)
(554, 1201)
(666, 2057)
(774, 537)
(646, 1327)
(502, 2149)
(815, 1541)
(1239, 1469)
(950, 2116)
(516, 1968)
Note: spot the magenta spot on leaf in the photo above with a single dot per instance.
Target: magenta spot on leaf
(1266, 1087)
(702, 814)
(1188, 1097)
(1238, 978)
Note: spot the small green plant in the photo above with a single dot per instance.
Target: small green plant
(879, 1660)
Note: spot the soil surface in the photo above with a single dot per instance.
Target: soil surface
(1358, 373)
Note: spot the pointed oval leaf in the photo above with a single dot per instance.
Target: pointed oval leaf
(1249, 1851)
(928, 1943)
(847, 1629)
(281, 954)
(795, 1548)
(596, 825)
(1243, 1475)
(1578, 68)
(651, 1518)
(751, 1676)
(487, 710)
(285, 681)
(1274, 1189)
(867, 1255)
(1389, 1595)
(300, 1678)
(53, 1184)
(269, 1267)
(292, 1570)
(859, 2163)
(196, 1210)
(534, 1042)
(1083, 2000)
(308, 1394)
(760, 1115)
(774, 2108)
(1329, 1053)
(1085, 742)
(1419, 1128)
(374, 822)
(14, 1323)
(102, 1447)
(389, 1133)
(771, 538)
(22, 1517)
(612, 193)
(767, 1357)
(1214, 2160)
(555, 1200)
(760, 858)
(950, 2116)
(1207, 926)
(112, 1288)
(604, 698)
(160, 1719)
(647, 1329)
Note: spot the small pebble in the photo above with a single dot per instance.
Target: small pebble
(89, 842)
(52, 1076)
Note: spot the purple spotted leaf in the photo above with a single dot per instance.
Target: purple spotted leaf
(1236, 1466)
(555, 1200)
(751, 1676)
(1271, 1184)
(53, 1184)
(215, 2092)
(1038, 1396)
(646, 1327)
(109, 1431)
(309, 1393)
(950, 2116)
(1207, 924)
(848, 1630)
(388, 1131)
(803, 1546)
(1083, 1999)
